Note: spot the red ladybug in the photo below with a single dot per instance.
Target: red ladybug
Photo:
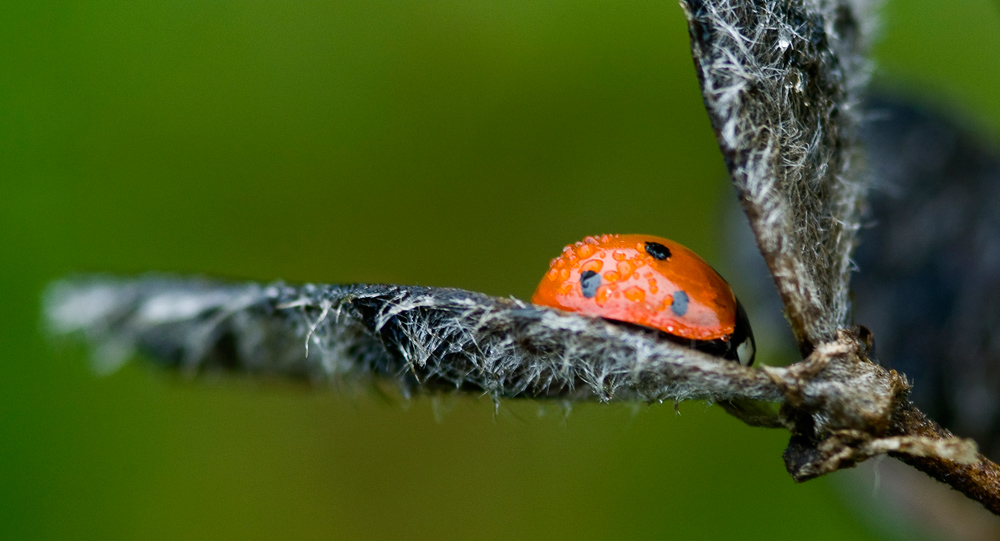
(653, 282)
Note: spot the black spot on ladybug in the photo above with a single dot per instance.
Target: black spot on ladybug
(589, 280)
(680, 304)
(657, 250)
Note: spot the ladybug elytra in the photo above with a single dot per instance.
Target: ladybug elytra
(652, 282)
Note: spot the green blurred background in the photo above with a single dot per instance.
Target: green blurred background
(445, 143)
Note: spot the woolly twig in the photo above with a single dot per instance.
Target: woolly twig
(418, 337)
(840, 407)
(780, 81)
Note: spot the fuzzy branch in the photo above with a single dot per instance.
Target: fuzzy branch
(840, 408)
(420, 338)
(780, 79)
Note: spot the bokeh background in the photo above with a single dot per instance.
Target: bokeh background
(436, 142)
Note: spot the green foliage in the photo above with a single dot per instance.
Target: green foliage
(433, 143)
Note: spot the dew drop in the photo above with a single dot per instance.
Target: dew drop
(593, 265)
(603, 293)
(569, 254)
(625, 268)
(635, 294)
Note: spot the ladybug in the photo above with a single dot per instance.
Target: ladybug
(652, 282)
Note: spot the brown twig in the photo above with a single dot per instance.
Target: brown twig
(979, 480)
